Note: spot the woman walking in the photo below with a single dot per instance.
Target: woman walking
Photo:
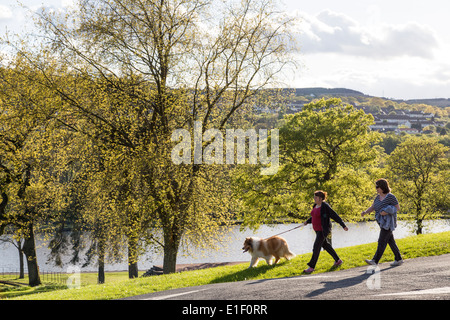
(386, 207)
(320, 219)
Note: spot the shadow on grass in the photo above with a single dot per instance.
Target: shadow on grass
(250, 273)
(23, 291)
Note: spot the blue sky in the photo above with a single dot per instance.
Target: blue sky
(392, 48)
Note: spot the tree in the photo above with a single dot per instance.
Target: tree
(419, 169)
(327, 134)
(25, 110)
(18, 243)
(390, 141)
(326, 146)
(137, 70)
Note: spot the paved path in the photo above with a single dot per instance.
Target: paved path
(420, 278)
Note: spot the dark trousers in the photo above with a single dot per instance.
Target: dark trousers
(321, 242)
(386, 237)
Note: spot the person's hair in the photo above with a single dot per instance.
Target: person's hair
(321, 194)
(383, 184)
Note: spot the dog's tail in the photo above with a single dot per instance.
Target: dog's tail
(289, 255)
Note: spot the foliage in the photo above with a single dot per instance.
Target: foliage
(325, 146)
(26, 114)
(390, 141)
(124, 75)
(419, 167)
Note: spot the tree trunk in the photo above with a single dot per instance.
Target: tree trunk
(101, 271)
(132, 258)
(419, 215)
(419, 229)
(2, 212)
(133, 271)
(170, 258)
(171, 243)
(101, 263)
(21, 265)
(29, 249)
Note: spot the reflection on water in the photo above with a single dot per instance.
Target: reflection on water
(299, 240)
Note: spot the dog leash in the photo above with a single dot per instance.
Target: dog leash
(300, 226)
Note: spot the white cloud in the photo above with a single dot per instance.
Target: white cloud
(334, 32)
(67, 3)
(398, 77)
(5, 12)
(411, 39)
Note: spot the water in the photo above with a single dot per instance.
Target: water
(300, 241)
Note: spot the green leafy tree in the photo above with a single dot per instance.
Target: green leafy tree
(134, 71)
(328, 145)
(419, 168)
(25, 112)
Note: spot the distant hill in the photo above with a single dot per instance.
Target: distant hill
(441, 103)
(327, 91)
(343, 92)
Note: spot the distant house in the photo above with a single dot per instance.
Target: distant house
(394, 118)
(384, 126)
(404, 119)
(386, 118)
(420, 114)
(407, 130)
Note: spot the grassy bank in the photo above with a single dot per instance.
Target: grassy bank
(411, 247)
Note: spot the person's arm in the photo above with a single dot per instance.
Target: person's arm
(308, 221)
(335, 217)
(367, 211)
(394, 203)
(391, 211)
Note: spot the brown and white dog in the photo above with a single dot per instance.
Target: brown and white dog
(273, 247)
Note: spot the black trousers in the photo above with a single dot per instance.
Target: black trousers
(386, 237)
(321, 242)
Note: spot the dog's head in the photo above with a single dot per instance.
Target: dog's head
(248, 244)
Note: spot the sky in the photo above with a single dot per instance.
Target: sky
(391, 48)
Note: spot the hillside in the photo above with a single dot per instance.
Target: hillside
(440, 102)
(343, 92)
(418, 116)
(327, 91)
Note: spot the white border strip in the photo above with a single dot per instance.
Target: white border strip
(174, 295)
(444, 290)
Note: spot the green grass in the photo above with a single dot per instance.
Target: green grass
(86, 279)
(116, 287)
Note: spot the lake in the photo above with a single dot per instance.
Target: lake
(300, 241)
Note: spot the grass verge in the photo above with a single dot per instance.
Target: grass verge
(411, 247)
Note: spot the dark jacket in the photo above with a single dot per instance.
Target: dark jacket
(325, 214)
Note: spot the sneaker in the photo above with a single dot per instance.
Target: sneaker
(309, 270)
(371, 262)
(337, 263)
(397, 263)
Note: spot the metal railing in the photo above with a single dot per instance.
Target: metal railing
(47, 277)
